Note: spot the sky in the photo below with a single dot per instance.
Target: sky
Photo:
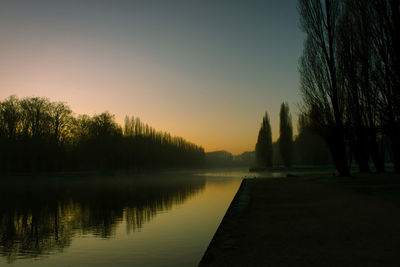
(206, 70)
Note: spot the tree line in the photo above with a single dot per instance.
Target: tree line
(39, 135)
(306, 148)
(350, 79)
(283, 146)
(222, 158)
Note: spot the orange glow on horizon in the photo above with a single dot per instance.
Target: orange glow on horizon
(210, 84)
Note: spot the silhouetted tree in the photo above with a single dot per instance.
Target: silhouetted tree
(36, 117)
(60, 120)
(385, 31)
(356, 57)
(39, 135)
(10, 117)
(10, 120)
(323, 97)
(264, 143)
(350, 76)
(286, 135)
(348, 51)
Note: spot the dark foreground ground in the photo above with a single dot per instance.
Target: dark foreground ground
(311, 221)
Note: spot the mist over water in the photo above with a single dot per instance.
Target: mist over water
(158, 219)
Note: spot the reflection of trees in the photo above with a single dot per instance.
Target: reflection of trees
(43, 219)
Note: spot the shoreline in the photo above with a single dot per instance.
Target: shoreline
(310, 221)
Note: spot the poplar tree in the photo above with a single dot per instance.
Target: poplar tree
(286, 135)
(264, 144)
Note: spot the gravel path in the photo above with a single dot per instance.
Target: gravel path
(311, 221)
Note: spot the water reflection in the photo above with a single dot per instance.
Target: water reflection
(42, 217)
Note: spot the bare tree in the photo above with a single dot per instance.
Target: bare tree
(350, 67)
(323, 97)
(385, 30)
(10, 116)
(357, 59)
(36, 135)
(60, 118)
(36, 117)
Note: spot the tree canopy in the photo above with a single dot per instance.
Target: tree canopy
(39, 135)
(264, 143)
(286, 135)
(350, 78)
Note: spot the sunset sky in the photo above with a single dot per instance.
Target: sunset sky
(206, 70)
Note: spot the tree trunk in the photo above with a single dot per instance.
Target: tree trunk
(361, 154)
(395, 142)
(376, 155)
(338, 149)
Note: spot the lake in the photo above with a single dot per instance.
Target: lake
(153, 219)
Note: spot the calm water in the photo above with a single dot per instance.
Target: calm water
(163, 219)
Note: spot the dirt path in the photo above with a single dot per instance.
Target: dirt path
(310, 221)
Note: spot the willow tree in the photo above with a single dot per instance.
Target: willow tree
(264, 144)
(285, 135)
